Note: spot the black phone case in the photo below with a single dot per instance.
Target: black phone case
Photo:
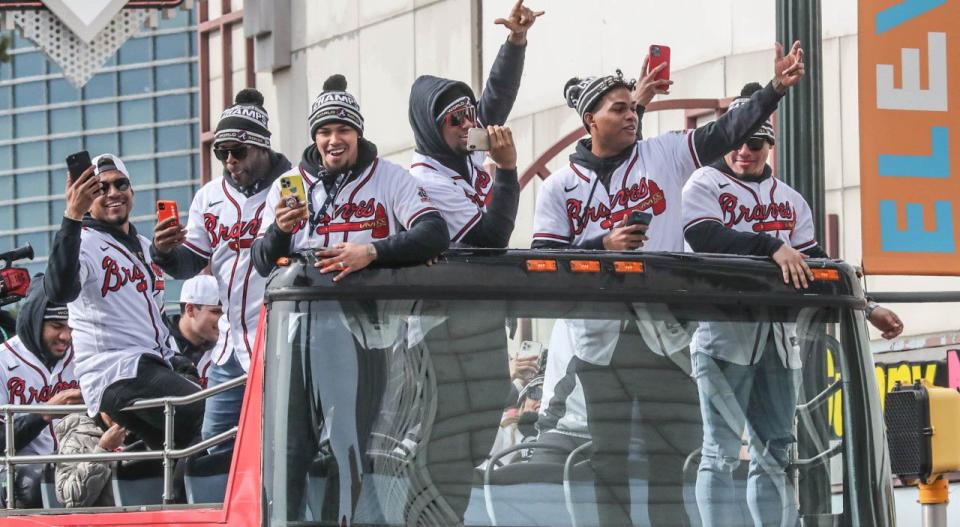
(77, 163)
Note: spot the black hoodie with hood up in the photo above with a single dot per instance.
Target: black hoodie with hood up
(27, 427)
(426, 238)
(496, 101)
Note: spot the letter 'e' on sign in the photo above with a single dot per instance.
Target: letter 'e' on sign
(909, 136)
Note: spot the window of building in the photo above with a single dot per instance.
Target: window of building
(31, 154)
(172, 107)
(101, 85)
(6, 219)
(32, 184)
(182, 195)
(31, 124)
(173, 76)
(99, 116)
(134, 82)
(6, 160)
(34, 214)
(62, 91)
(136, 112)
(178, 168)
(172, 46)
(144, 202)
(136, 50)
(30, 94)
(170, 138)
(102, 143)
(29, 65)
(6, 127)
(65, 120)
(41, 245)
(138, 142)
(142, 171)
(6, 96)
(61, 148)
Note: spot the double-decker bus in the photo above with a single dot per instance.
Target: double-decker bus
(376, 400)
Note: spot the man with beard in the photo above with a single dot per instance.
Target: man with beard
(100, 266)
(37, 368)
(225, 216)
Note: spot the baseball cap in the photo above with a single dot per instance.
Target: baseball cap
(200, 290)
(106, 163)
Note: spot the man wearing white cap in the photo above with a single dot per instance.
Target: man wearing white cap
(196, 329)
(101, 268)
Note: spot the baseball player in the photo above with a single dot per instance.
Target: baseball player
(587, 205)
(101, 267)
(37, 368)
(748, 373)
(479, 210)
(196, 330)
(224, 219)
(359, 209)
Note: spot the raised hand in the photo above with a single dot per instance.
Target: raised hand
(648, 86)
(520, 21)
(80, 194)
(788, 69)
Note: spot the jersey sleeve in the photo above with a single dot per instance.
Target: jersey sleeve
(269, 214)
(701, 200)
(409, 199)
(460, 213)
(803, 236)
(675, 152)
(87, 272)
(197, 239)
(550, 220)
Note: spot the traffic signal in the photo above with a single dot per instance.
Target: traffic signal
(923, 431)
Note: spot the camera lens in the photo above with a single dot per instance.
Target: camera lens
(655, 51)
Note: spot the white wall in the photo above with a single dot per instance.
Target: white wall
(717, 46)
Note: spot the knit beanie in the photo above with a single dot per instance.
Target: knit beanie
(335, 105)
(245, 122)
(454, 97)
(766, 129)
(583, 94)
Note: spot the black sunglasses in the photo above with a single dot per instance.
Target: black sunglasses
(122, 185)
(755, 143)
(239, 152)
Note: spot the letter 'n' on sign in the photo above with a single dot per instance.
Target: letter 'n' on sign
(909, 132)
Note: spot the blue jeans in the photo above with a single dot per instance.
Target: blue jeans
(223, 410)
(761, 398)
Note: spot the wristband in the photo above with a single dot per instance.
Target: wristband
(871, 307)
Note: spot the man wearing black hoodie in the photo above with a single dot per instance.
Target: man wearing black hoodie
(36, 367)
(101, 268)
(479, 211)
(224, 219)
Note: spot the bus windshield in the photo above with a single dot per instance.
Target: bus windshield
(419, 411)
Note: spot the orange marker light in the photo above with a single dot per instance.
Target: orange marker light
(283, 261)
(542, 266)
(585, 266)
(628, 267)
(831, 275)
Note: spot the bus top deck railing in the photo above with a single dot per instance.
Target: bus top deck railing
(168, 454)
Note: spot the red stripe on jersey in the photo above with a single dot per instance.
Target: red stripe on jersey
(701, 220)
(236, 259)
(419, 213)
(28, 363)
(364, 182)
(424, 165)
(246, 285)
(740, 183)
(466, 228)
(306, 177)
(551, 236)
(226, 344)
(693, 149)
(626, 173)
(806, 245)
(577, 172)
(200, 252)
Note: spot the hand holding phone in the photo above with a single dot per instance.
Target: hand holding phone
(80, 194)
(638, 217)
(292, 191)
(168, 209)
(77, 163)
(478, 139)
(659, 54)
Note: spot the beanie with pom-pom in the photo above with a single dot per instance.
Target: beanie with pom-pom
(335, 105)
(766, 130)
(245, 122)
(583, 94)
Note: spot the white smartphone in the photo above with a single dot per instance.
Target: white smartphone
(478, 139)
(529, 348)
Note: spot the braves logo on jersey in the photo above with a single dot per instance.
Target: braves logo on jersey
(238, 236)
(480, 186)
(116, 276)
(19, 392)
(774, 216)
(644, 195)
(367, 215)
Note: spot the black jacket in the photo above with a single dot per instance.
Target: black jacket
(496, 101)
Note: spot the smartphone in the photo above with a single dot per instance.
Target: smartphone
(639, 217)
(529, 348)
(168, 209)
(478, 139)
(77, 163)
(658, 55)
(291, 190)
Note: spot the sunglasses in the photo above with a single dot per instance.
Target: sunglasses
(458, 116)
(754, 143)
(122, 185)
(239, 152)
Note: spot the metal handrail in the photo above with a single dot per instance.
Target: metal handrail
(168, 454)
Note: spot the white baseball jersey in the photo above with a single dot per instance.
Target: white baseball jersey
(563, 407)
(573, 206)
(770, 207)
(118, 315)
(222, 226)
(25, 379)
(383, 200)
(461, 201)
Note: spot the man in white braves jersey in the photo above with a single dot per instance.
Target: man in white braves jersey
(100, 266)
(360, 209)
(36, 367)
(586, 206)
(225, 216)
(196, 330)
(479, 210)
(748, 373)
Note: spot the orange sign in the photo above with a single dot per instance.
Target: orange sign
(910, 136)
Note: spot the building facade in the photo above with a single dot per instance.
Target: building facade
(142, 105)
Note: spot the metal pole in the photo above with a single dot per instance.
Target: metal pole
(934, 515)
(168, 410)
(800, 118)
(8, 450)
(933, 498)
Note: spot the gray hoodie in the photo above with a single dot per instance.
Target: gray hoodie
(84, 484)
